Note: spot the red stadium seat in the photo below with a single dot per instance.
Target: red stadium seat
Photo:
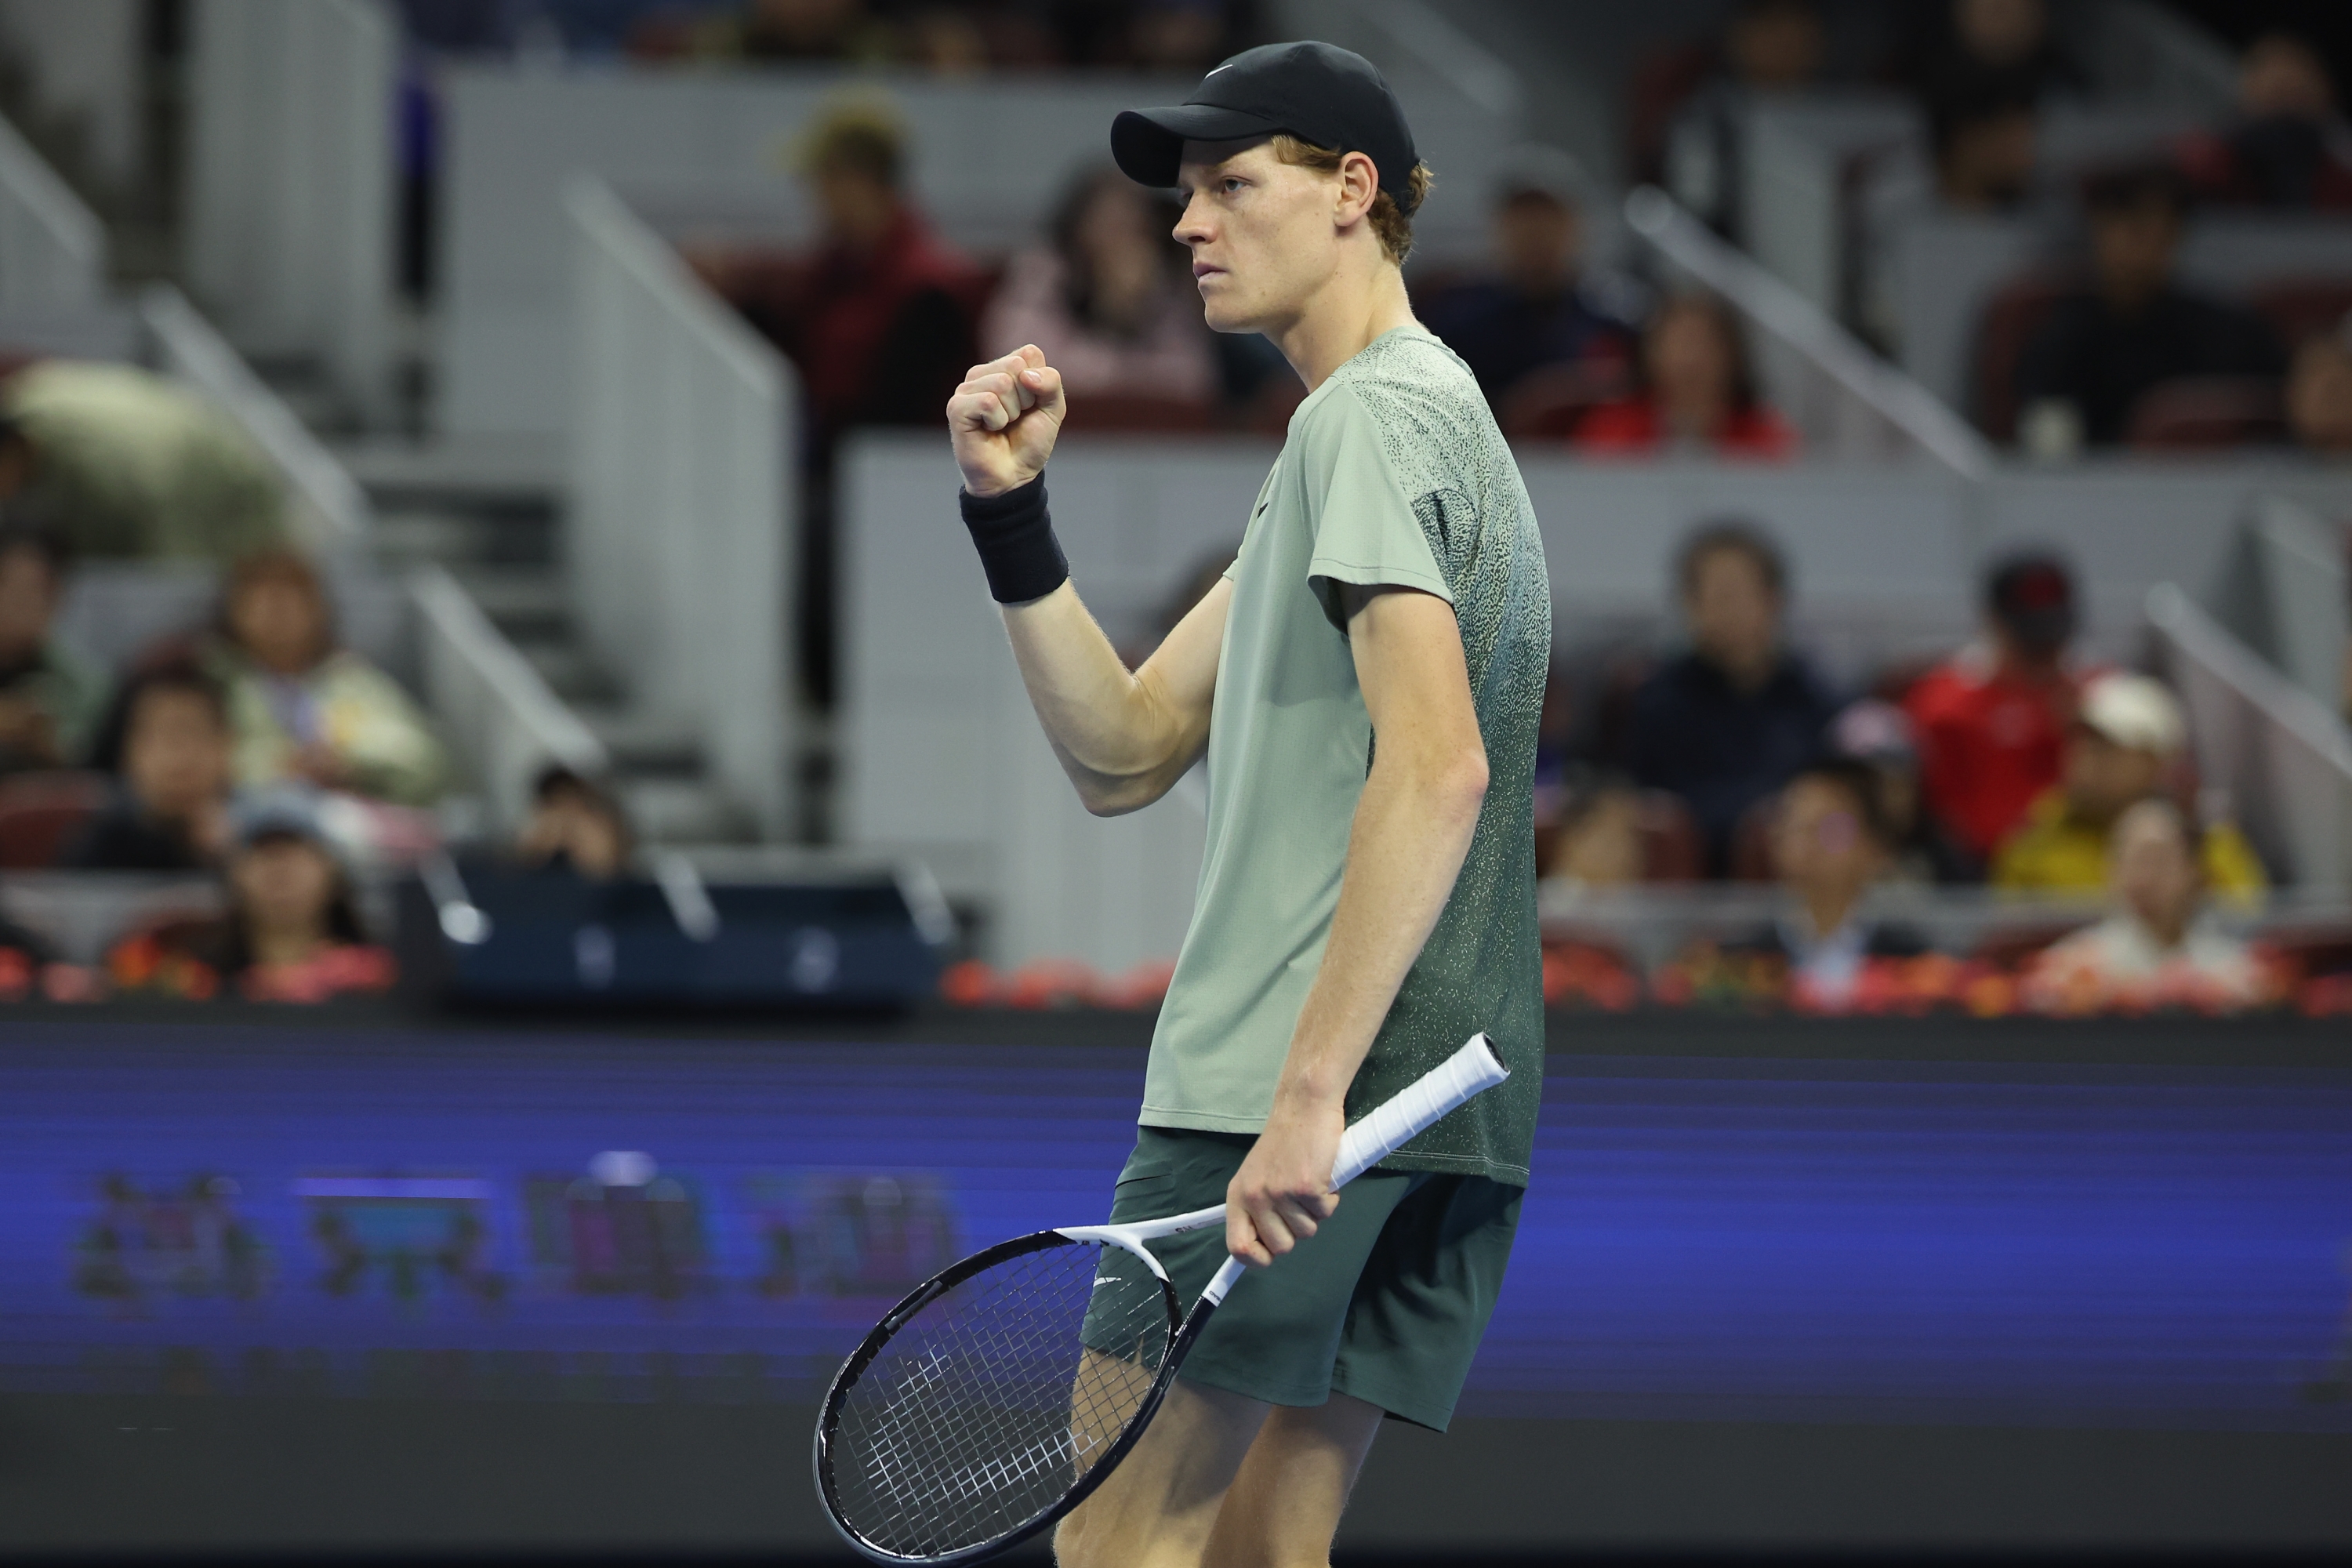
(1671, 848)
(2009, 323)
(2206, 414)
(1134, 413)
(1547, 403)
(1751, 843)
(41, 812)
(2012, 947)
(2301, 307)
(1269, 411)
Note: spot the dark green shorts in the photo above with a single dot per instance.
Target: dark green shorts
(1387, 1301)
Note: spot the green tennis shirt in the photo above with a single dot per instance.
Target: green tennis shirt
(1393, 474)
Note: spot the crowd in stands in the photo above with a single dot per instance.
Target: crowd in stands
(2117, 347)
(253, 771)
(883, 317)
(247, 772)
(255, 757)
(2010, 765)
(948, 36)
(2109, 344)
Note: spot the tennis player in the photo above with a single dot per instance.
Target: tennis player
(1365, 681)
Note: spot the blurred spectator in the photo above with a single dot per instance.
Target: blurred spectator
(1991, 721)
(574, 826)
(1180, 36)
(49, 698)
(2289, 147)
(950, 41)
(1879, 736)
(1730, 721)
(1997, 51)
(1183, 38)
(1829, 848)
(1985, 137)
(2319, 395)
(1111, 301)
(1536, 310)
(291, 932)
(784, 30)
(124, 463)
(1768, 46)
(2127, 736)
(1598, 842)
(878, 316)
(2101, 348)
(1823, 954)
(1697, 396)
(2158, 949)
(304, 708)
(166, 739)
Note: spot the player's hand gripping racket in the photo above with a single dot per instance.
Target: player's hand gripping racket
(991, 1401)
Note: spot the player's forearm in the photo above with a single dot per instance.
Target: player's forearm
(1120, 743)
(1412, 831)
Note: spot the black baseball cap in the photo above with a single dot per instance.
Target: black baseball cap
(1321, 93)
(2032, 596)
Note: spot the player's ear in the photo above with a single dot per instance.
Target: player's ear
(1360, 185)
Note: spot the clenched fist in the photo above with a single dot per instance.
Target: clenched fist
(1003, 419)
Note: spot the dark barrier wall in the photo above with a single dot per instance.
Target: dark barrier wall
(329, 1285)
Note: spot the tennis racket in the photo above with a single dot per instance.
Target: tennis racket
(996, 1397)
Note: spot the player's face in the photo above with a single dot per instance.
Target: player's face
(1261, 231)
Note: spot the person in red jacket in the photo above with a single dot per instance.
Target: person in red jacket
(879, 316)
(1698, 395)
(1992, 718)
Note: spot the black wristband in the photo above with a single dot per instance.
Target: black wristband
(1017, 548)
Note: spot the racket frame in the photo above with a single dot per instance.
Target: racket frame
(1182, 1330)
(1474, 1068)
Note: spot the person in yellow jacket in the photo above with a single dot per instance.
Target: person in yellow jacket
(304, 710)
(2127, 733)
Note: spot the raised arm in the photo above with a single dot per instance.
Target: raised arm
(1123, 737)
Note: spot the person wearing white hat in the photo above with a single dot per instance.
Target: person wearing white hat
(2126, 735)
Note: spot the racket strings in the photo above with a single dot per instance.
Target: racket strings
(987, 1404)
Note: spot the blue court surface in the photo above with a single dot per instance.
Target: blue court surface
(508, 1215)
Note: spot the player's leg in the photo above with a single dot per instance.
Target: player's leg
(1283, 1506)
(1158, 1509)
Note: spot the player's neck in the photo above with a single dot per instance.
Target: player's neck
(1341, 319)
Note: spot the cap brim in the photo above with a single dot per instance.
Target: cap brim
(1148, 144)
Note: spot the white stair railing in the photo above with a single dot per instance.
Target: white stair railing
(2283, 757)
(1865, 389)
(495, 709)
(53, 253)
(684, 499)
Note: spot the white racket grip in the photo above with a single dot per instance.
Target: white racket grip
(1397, 1121)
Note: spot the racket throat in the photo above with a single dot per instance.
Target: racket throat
(1222, 1282)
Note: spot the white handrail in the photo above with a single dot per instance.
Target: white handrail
(2259, 734)
(1430, 36)
(2279, 699)
(503, 716)
(680, 464)
(190, 347)
(1785, 314)
(53, 249)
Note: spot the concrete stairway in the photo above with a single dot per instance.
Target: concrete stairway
(492, 515)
